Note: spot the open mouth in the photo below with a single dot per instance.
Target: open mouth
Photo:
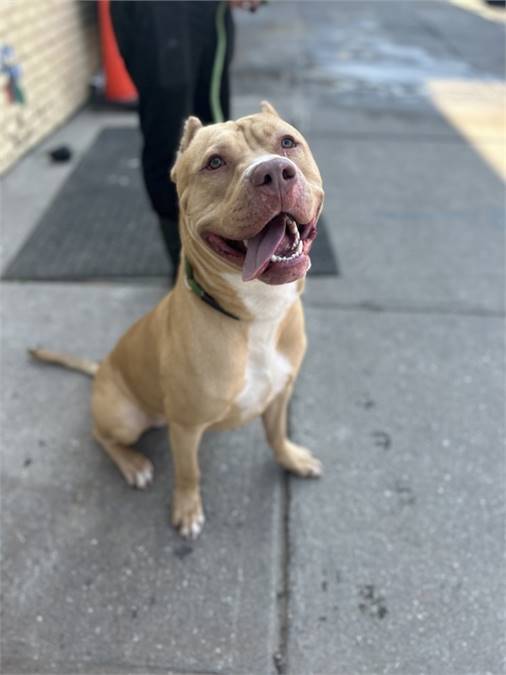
(276, 254)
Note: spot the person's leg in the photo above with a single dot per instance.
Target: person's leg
(206, 69)
(225, 82)
(153, 39)
(161, 112)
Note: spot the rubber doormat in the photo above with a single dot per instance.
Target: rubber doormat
(100, 224)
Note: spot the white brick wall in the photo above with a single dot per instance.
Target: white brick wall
(56, 44)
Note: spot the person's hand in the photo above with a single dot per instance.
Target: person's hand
(251, 5)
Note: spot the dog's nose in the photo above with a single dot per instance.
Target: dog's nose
(273, 175)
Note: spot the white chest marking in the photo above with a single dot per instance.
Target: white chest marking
(267, 370)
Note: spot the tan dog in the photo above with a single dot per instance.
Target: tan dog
(250, 195)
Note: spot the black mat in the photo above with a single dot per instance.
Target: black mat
(100, 225)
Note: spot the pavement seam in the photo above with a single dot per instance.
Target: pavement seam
(451, 137)
(280, 656)
(377, 308)
(17, 666)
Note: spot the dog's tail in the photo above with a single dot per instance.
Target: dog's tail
(66, 360)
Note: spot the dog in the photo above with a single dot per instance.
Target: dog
(226, 344)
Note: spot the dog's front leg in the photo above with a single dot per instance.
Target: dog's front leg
(187, 513)
(289, 455)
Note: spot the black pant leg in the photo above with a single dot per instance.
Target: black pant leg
(154, 41)
(161, 113)
(169, 50)
(202, 95)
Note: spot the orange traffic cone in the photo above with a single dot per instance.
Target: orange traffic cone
(119, 88)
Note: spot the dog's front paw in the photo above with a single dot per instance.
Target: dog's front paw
(299, 460)
(187, 514)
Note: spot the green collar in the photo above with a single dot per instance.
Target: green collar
(198, 290)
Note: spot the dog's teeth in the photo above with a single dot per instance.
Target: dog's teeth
(296, 240)
(296, 254)
(292, 226)
(294, 230)
(245, 242)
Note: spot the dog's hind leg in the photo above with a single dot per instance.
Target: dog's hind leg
(118, 423)
(135, 467)
(289, 455)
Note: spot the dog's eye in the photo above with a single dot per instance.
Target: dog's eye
(288, 142)
(215, 162)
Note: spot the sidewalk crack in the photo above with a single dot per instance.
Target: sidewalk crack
(280, 656)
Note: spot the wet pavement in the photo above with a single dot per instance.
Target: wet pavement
(392, 563)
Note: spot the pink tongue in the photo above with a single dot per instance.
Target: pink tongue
(262, 246)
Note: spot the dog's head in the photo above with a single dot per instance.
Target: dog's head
(250, 192)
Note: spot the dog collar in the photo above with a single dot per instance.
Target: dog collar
(196, 288)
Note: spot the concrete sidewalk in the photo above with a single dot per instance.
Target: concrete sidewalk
(392, 563)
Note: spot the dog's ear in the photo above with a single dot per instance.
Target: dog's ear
(191, 126)
(268, 108)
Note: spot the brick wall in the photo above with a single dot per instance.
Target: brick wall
(56, 44)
